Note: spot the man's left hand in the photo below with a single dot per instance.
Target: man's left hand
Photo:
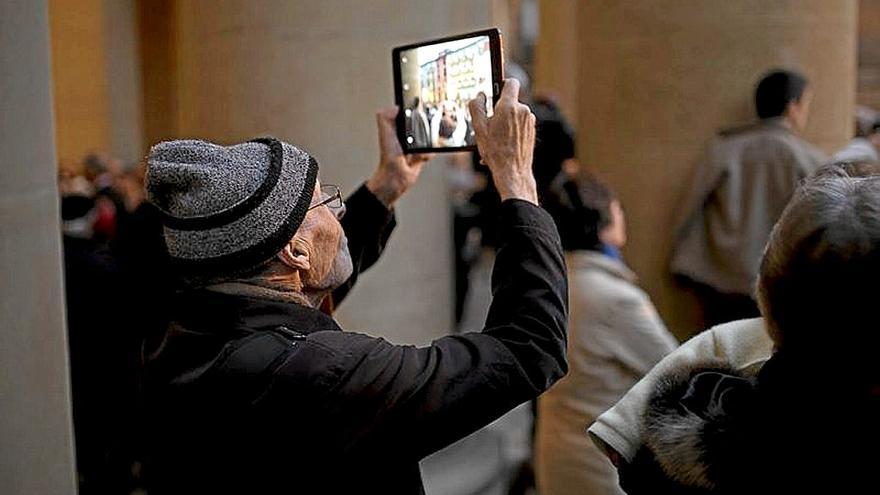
(396, 172)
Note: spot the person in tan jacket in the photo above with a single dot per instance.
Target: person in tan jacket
(615, 337)
(738, 193)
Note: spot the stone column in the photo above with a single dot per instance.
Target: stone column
(869, 54)
(36, 437)
(79, 74)
(556, 61)
(124, 93)
(655, 81)
(97, 81)
(314, 73)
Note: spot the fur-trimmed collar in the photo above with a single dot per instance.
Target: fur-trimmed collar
(696, 421)
(793, 427)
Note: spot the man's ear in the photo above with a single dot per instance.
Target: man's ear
(296, 256)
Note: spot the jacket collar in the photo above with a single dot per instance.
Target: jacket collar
(757, 125)
(775, 122)
(586, 259)
(207, 311)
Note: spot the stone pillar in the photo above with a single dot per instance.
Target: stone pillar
(97, 81)
(36, 437)
(655, 81)
(869, 54)
(158, 28)
(124, 93)
(314, 73)
(79, 73)
(556, 61)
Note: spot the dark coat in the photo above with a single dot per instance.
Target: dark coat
(103, 355)
(796, 427)
(254, 396)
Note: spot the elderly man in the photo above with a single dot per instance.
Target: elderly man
(254, 390)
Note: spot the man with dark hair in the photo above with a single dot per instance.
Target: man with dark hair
(778, 90)
(748, 176)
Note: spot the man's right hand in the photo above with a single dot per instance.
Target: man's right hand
(507, 142)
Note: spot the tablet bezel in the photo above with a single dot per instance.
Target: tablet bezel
(496, 56)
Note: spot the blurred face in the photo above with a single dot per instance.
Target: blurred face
(799, 111)
(615, 233)
(321, 239)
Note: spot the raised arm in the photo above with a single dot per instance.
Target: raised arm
(421, 399)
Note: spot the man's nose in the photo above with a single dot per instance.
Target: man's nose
(339, 212)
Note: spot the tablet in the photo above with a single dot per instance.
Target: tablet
(433, 83)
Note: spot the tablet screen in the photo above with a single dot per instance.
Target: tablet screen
(437, 82)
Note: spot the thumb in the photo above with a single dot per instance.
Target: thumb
(415, 168)
(385, 121)
(479, 120)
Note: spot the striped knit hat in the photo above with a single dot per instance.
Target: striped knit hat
(229, 208)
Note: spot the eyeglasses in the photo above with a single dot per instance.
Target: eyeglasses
(330, 196)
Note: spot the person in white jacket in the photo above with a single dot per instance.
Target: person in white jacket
(615, 337)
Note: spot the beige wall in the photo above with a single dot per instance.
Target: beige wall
(556, 61)
(158, 54)
(124, 92)
(96, 79)
(79, 79)
(314, 73)
(655, 80)
(36, 441)
(869, 53)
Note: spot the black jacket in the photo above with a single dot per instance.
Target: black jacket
(255, 396)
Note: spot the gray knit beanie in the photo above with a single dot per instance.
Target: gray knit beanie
(229, 208)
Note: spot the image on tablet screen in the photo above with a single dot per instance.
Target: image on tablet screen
(438, 81)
